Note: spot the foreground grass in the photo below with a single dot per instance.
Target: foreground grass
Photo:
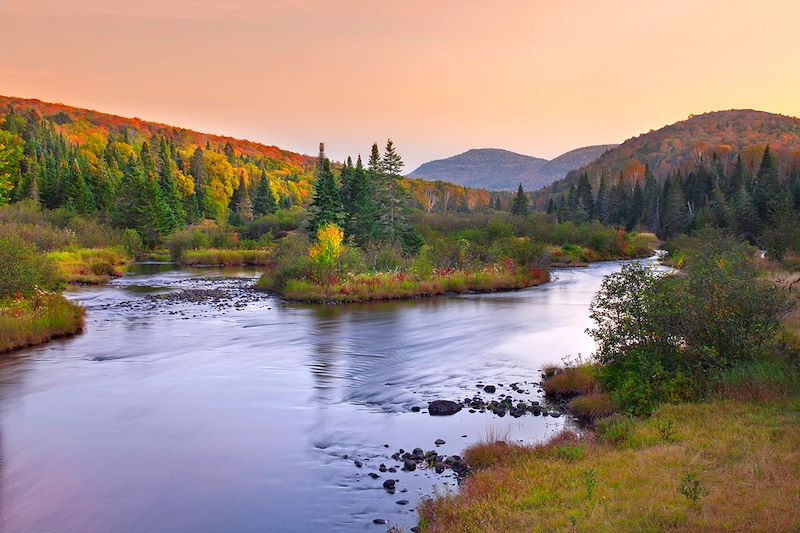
(89, 265)
(717, 466)
(225, 257)
(390, 286)
(37, 319)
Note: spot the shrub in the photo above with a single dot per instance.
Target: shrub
(23, 268)
(325, 253)
(132, 242)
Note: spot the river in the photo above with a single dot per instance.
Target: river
(191, 403)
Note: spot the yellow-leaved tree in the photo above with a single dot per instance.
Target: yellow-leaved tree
(328, 248)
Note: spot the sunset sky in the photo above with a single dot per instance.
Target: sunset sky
(439, 77)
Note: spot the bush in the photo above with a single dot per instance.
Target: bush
(661, 338)
(132, 242)
(23, 268)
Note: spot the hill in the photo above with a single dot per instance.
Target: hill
(691, 143)
(76, 122)
(502, 170)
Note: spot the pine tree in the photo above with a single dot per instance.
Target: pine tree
(519, 206)
(392, 163)
(603, 205)
(374, 163)
(175, 215)
(362, 214)
(676, 212)
(197, 167)
(585, 196)
(651, 210)
(263, 200)
(748, 223)
(326, 207)
(768, 196)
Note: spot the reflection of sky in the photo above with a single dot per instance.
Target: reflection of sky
(237, 419)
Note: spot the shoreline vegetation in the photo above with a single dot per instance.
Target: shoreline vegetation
(37, 319)
(690, 409)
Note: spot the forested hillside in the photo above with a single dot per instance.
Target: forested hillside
(141, 175)
(738, 170)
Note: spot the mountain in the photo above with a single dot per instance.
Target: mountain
(690, 144)
(501, 170)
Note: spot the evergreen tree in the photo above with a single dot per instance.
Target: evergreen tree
(651, 210)
(585, 196)
(603, 205)
(174, 214)
(676, 212)
(374, 163)
(392, 163)
(197, 167)
(748, 223)
(519, 206)
(361, 217)
(326, 207)
(263, 200)
(768, 196)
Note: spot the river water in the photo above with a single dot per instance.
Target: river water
(194, 404)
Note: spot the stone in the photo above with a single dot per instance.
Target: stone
(439, 442)
(490, 389)
(443, 408)
(389, 484)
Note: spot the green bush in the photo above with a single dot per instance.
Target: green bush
(662, 338)
(23, 268)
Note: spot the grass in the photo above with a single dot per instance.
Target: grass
(591, 407)
(723, 465)
(89, 265)
(390, 286)
(569, 382)
(37, 319)
(225, 257)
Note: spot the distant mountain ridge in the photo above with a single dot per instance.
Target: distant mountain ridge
(503, 170)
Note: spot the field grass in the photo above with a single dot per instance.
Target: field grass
(716, 466)
(225, 257)
(390, 286)
(37, 319)
(89, 265)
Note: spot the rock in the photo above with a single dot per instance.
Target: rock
(382, 467)
(439, 442)
(389, 484)
(402, 502)
(414, 529)
(490, 389)
(385, 445)
(443, 408)
(379, 521)
(439, 467)
(417, 452)
(409, 465)
(392, 469)
(416, 409)
(555, 414)
(373, 475)
(358, 463)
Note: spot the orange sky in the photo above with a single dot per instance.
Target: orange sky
(439, 77)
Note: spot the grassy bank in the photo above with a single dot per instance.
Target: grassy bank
(89, 265)
(390, 286)
(721, 465)
(225, 257)
(37, 319)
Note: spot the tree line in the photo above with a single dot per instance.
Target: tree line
(368, 202)
(762, 206)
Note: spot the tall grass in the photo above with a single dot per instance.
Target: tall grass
(89, 265)
(225, 257)
(37, 319)
(388, 286)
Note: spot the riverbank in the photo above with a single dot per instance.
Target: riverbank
(396, 286)
(89, 266)
(37, 319)
(731, 465)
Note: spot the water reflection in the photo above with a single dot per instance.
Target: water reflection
(168, 415)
